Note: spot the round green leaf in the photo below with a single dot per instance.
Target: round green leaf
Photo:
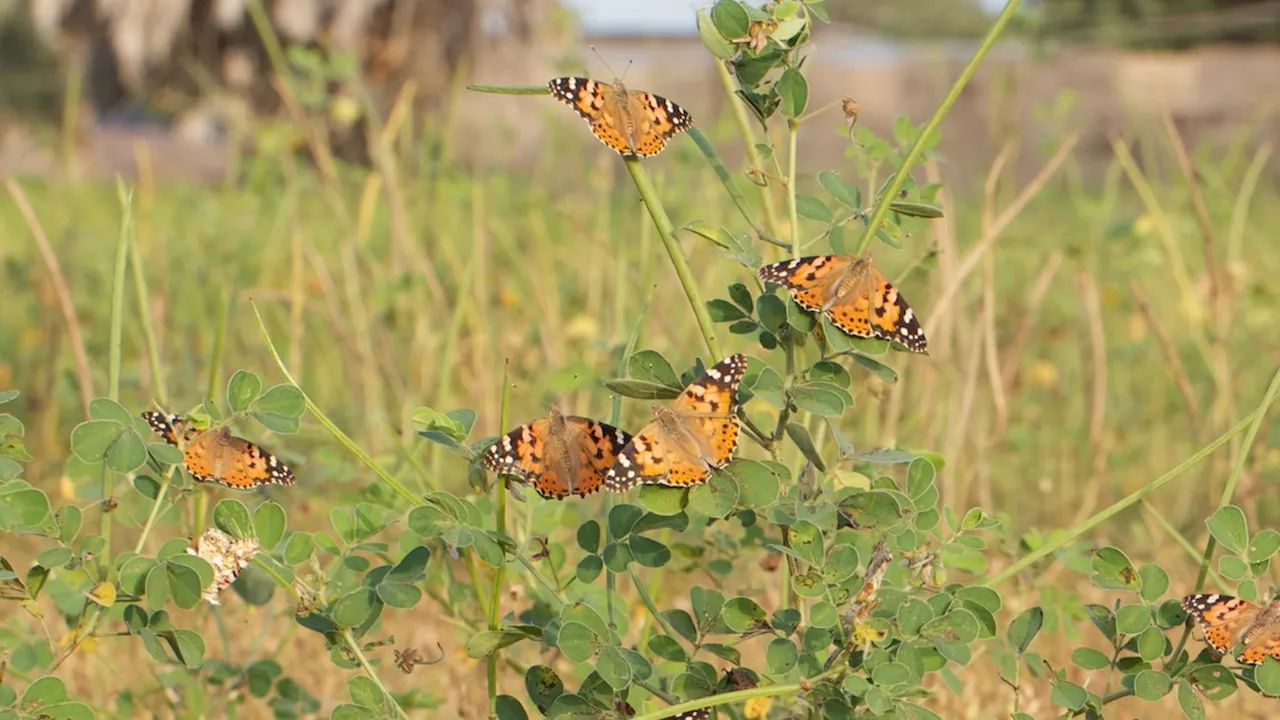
(232, 518)
(806, 540)
(661, 500)
(1089, 659)
(269, 522)
(157, 586)
(819, 401)
(509, 708)
(242, 389)
(648, 552)
(890, 674)
(44, 691)
(1228, 526)
(1189, 702)
(1232, 567)
(781, 656)
(1152, 644)
(1069, 695)
(351, 711)
(711, 38)
(189, 647)
(823, 615)
(589, 536)
(1265, 544)
(730, 19)
(29, 505)
(717, 497)
(69, 518)
(1112, 570)
(91, 439)
(1151, 685)
(1133, 619)
(793, 89)
(198, 565)
(364, 691)
(399, 595)
(1024, 628)
(412, 567)
(1267, 676)
(284, 400)
(576, 641)
(622, 518)
(54, 557)
(298, 549)
(589, 568)
(1155, 581)
(667, 648)
(354, 608)
(912, 616)
(184, 585)
(742, 614)
(757, 483)
(614, 668)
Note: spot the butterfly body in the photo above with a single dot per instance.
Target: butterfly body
(559, 455)
(686, 441)
(1227, 621)
(854, 295)
(219, 457)
(630, 122)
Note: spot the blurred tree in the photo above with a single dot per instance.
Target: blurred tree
(913, 18)
(1156, 23)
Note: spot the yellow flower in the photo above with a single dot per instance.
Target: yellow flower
(756, 707)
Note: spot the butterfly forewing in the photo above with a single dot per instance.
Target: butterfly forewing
(853, 294)
(685, 442)
(629, 122)
(1227, 620)
(219, 457)
(558, 455)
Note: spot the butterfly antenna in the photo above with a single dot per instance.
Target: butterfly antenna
(606, 63)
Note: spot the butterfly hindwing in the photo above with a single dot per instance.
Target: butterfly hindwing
(558, 455)
(697, 433)
(629, 122)
(1227, 620)
(217, 456)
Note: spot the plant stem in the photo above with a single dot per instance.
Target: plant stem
(740, 695)
(363, 662)
(749, 141)
(917, 148)
(1273, 390)
(793, 218)
(678, 261)
(500, 524)
(155, 510)
(113, 357)
(1251, 421)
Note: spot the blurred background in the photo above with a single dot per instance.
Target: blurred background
(188, 75)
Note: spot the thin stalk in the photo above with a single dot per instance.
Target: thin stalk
(678, 261)
(917, 148)
(363, 662)
(738, 696)
(1242, 457)
(113, 357)
(739, 112)
(793, 217)
(500, 524)
(155, 510)
(1114, 509)
(328, 424)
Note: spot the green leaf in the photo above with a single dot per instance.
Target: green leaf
(184, 584)
(44, 690)
(781, 656)
(589, 536)
(742, 614)
(716, 43)
(188, 646)
(399, 594)
(1228, 526)
(1132, 619)
(1265, 544)
(1232, 567)
(793, 89)
(846, 193)
(652, 366)
(412, 567)
(54, 557)
(576, 641)
(648, 552)
(232, 517)
(299, 549)
(1267, 676)
(1103, 619)
(717, 497)
(799, 435)
(365, 692)
(622, 518)
(69, 519)
(589, 568)
(1189, 702)
(1112, 570)
(813, 208)
(724, 311)
(914, 209)
(242, 389)
(818, 401)
(1152, 644)
(356, 607)
(1024, 628)
(640, 389)
(1069, 695)
(730, 19)
(157, 587)
(269, 522)
(543, 685)
(283, 400)
(351, 711)
(29, 505)
(667, 648)
(1151, 685)
(1155, 581)
(659, 500)
(614, 668)
(741, 296)
(1089, 659)
(772, 311)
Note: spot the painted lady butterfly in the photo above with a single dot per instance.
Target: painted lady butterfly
(853, 294)
(560, 455)
(686, 441)
(217, 456)
(1228, 620)
(631, 122)
(227, 555)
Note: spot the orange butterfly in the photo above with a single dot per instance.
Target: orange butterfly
(217, 456)
(853, 294)
(560, 455)
(686, 441)
(1228, 620)
(631, 122)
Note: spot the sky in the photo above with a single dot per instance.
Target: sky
(644, 16)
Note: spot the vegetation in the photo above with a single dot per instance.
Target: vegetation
(890, 540)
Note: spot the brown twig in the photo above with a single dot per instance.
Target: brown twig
(65, 304)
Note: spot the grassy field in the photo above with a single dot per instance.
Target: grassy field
(1086, 336)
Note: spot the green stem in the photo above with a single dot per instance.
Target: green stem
(363, 662)
(155, 510)
(113, 357)
(500, 524)
(739, 110)
(328, 424)
(648, 603)
(1273, 390)
(678, 261)
(1251, 421)
(793, 133)
(740, 696)
(917, 148)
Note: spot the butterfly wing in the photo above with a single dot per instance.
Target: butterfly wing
(808, 278)
(1221, 617)
(708, 408)
(598, 445)
(657, 121)
(645, 459)
(594, 102)
(173, 429)
(889, 315)
(523, 455)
